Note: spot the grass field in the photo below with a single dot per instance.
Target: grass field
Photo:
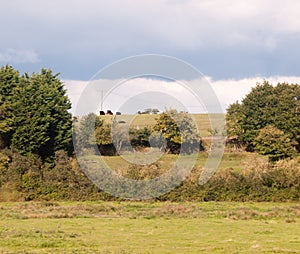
(145, 227)
(229, 160)
(146, 120)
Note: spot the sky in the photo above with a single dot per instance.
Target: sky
(234, 43)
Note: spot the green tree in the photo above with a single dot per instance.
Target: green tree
(179, 130)
(254, 109)
(109, 134)
(274, 143)
(104, 139)
(234, 118)
(86, 129)
(103, 134)
(9, 80)
(285, 112)
(41, 123)
(140, 137)
(265, 105)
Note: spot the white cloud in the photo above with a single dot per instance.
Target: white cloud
(132, 95)
(74, 90)
(12, 55)
(230, 91)
(172, 93)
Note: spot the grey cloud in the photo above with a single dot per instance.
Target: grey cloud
(78, 35)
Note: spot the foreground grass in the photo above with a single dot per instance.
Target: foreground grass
(145, 227)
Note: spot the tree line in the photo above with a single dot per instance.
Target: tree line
(36, 149)
(35, 119)
(174, 132)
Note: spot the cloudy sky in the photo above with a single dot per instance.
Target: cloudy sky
(234, 43)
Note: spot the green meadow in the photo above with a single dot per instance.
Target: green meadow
(149, 227)
(145, 120)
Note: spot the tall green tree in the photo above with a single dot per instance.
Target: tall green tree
(254, 109)
(9, 80)
(266, 105)
(38, 117)
(286, 111)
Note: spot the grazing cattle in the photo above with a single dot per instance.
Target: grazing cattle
(118, 113)
(109, 112)
(102, 113)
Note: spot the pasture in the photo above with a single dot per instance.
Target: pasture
(149, 227)
(146, 120)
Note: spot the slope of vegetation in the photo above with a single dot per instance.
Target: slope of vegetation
(148, 120)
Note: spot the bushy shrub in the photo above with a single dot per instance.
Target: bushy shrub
(139, 138)
(258, 181)
(180, 132)
(274, 143)
(21, 174)
(28, 178)
(143, 172)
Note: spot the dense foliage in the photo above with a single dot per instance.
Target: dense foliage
(9, 80)
(274, 143)
(180, 132)
(28, 178)
(265, 105)
(34, 113)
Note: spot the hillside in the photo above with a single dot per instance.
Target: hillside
(148, 120)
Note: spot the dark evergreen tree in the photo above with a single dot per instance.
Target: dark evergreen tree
(35, 117)
(9, 79)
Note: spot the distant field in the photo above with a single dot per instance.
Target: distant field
(147, 120)
(145, 227)
(229, 160)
